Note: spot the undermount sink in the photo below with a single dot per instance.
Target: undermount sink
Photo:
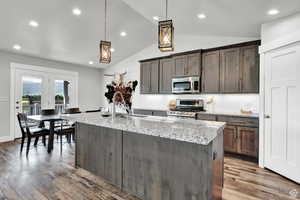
(159, 119)
(153, 118)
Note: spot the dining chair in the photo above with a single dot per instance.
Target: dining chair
(67, 130)
(72, 111)
(91, 111)
(48, 112)
(29, 132)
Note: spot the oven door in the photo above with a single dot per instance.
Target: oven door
(182, 85)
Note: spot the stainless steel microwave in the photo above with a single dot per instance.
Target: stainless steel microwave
(186, 85)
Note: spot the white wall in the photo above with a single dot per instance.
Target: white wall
(224, 103)
(90, 84)
(280, 28)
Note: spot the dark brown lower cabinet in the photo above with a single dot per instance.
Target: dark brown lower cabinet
(99, 150)
(230, 139)
(156, 168)
(248, 141)
(241, 140)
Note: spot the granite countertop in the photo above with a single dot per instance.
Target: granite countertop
(187, 130)
(230, 114)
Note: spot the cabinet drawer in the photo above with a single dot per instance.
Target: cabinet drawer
(160, 113)
(207, 117)
(142, 112)
(239, 121)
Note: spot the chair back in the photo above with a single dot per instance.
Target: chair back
(23, 123)
(72, 111)
(91, 111)
(48, 112)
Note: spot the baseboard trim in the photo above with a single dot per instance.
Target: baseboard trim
(5, 139)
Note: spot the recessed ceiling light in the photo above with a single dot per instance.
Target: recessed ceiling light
(33, 23)
(123, 33)
(112, 49)
(156, 18)
(273, 12)
(17, 47)
(91, 62)
(76, 11)
(201, 16)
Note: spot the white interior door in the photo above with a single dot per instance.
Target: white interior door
(282, 108)
(30, 94)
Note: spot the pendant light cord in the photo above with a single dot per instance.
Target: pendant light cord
(166, 9)
(105, 20)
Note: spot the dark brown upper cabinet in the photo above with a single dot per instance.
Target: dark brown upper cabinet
(230, 71)
(149, 77)
(180, 65)
(249, 63)
(145, 78)
(166, 75)
(193, 67)
(211, 72)
(187, 65)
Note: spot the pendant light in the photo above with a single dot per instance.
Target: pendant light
(166, 33)
(105, 46)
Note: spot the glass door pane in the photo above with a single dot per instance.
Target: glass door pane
(62, 99)
(31, 95)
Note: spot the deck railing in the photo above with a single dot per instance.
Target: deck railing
(35, 109)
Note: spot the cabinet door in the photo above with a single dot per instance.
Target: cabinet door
(248, 141)
(145, 78)
(180, 65)
(249, 59)
(230, 70)
(166, 74)
(211, 72)
(142, 112)
(154, 82)
(193, 66)
(230, 139)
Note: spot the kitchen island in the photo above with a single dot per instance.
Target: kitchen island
(153, 158)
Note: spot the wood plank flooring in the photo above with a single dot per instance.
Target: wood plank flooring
(53, 176)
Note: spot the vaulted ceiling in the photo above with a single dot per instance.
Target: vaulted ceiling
(65, 37)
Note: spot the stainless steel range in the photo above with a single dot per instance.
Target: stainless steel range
(187, 108)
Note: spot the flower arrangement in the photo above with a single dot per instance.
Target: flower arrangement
(120, 92)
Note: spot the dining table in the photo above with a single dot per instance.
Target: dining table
(51, 119)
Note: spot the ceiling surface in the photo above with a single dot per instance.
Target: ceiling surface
(74, 39)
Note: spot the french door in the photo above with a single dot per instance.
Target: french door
(282, 108)
(35, 90)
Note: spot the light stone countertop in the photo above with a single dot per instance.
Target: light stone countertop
(232, 114)
(181, 129)
(229, 114)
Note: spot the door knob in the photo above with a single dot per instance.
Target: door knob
(267, 116)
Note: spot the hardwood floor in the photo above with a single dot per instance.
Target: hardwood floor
(53, 176)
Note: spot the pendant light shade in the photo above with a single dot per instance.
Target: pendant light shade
(105, 52)
(166, 35)
(105, 46)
